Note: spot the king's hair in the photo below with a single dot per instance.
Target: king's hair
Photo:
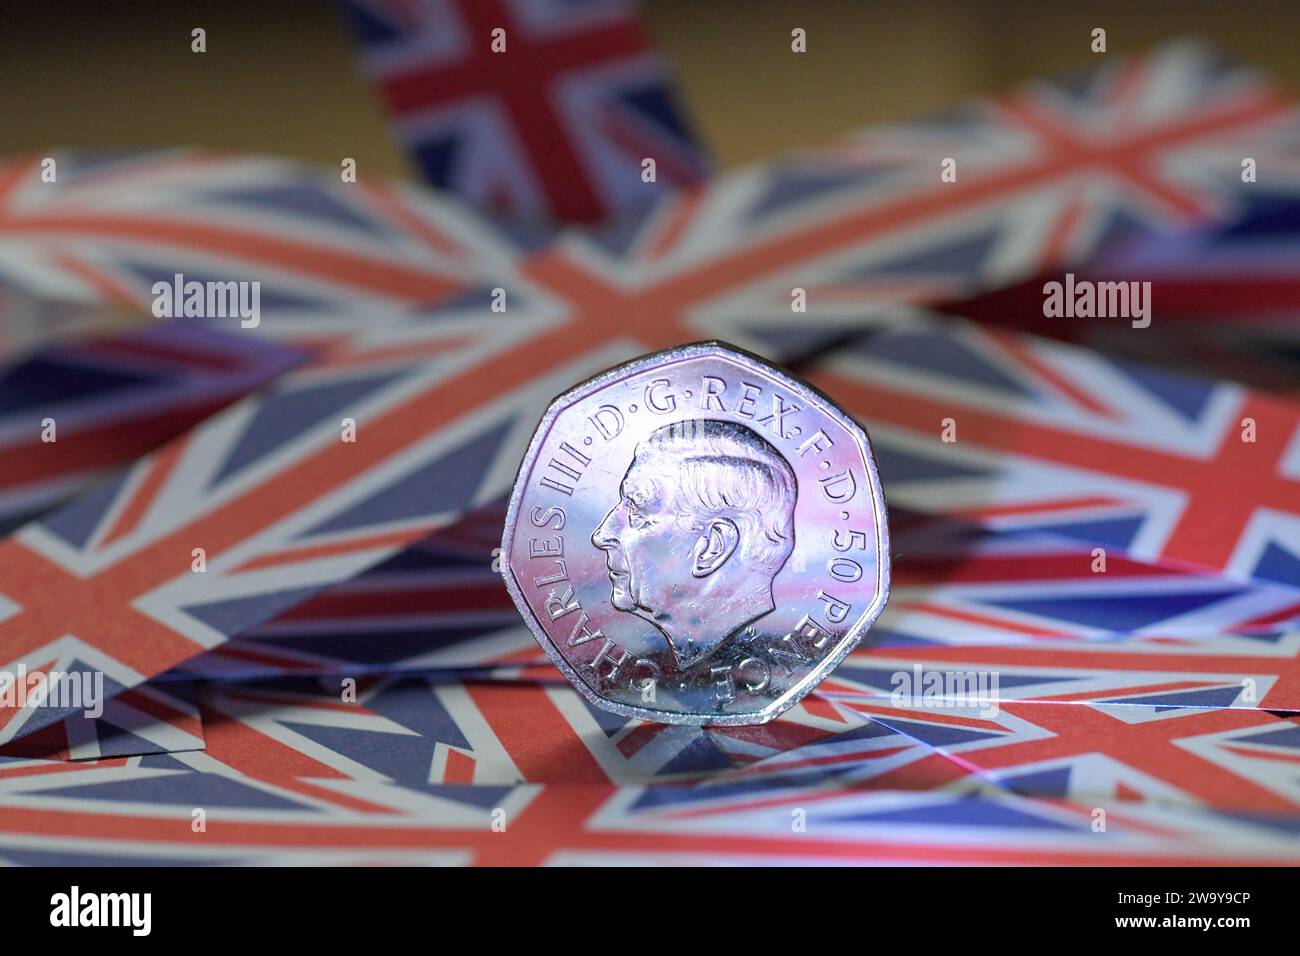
(701, 469)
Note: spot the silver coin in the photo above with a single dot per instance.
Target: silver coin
(696, 537)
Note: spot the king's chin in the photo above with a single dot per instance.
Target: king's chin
(700, 625)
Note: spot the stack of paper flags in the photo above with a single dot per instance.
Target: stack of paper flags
(309, 652)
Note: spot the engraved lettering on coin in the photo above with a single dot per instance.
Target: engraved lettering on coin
(697, 537)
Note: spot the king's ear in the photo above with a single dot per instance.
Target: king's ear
(715, 546)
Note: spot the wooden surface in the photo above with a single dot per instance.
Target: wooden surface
(280, 77)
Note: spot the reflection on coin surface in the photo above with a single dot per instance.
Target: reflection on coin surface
(695, 537)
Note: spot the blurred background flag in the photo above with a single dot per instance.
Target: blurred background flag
(529, 109)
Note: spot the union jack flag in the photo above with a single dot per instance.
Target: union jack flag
(301, 530)
(292, 772)
(73, 412)
(326, 252)
(735, 258)
(859, 227)
(955, 579)
(1259, 671)
(432, 727)
(27, 322)
(1224, 298)
(446, 728)
(276, 500)
(1242, 274)
(1255, 349)
(1018, 432)
(143, 720)
(1229, 297)
(529, 108)
(1226, 758)
(858, 230)
(140, 811)
(438, 604)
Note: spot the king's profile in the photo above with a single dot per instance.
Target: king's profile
(703, 525)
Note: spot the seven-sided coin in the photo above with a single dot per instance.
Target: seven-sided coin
(696, 537)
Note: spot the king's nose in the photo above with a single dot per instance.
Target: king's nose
(603, 536)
